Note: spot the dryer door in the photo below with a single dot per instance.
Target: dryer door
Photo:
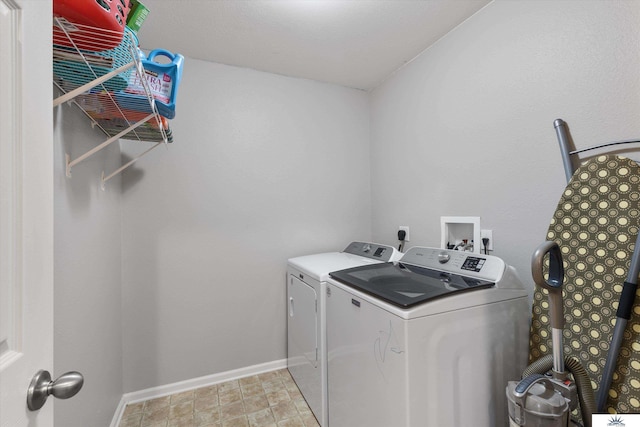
(302, 337)
(302, 324)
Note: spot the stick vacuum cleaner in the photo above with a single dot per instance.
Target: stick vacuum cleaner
(543, 399)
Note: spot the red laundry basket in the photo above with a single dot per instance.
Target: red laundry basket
(92, 24)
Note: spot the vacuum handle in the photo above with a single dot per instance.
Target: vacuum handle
(553, 284)
(525, 384)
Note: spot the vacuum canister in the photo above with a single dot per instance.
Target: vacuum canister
(533, 402)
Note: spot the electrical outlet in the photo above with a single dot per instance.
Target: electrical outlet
(488, 234)
(406, 230)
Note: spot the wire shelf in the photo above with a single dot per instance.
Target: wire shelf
(90, 66)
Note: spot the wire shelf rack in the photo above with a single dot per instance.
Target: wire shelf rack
(90, 67)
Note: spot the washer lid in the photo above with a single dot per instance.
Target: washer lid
(407, 285)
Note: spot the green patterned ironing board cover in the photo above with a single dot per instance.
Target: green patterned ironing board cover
(595, 225)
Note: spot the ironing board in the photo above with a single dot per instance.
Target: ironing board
(596, 224)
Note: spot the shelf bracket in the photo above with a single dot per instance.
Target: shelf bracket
(123, 167)
(71, 163)
(88, 86)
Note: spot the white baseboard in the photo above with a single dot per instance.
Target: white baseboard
(168, 389)
(117, 416)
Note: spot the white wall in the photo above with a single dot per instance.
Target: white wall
(263, 168)
(87, 274)
(467, 127)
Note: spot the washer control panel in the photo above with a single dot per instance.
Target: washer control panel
(375, 251)
(458, 262)
(473, 263)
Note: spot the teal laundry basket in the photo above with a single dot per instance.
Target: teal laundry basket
(73, 71)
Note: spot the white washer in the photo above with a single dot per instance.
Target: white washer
(306, 325)
(429, 341)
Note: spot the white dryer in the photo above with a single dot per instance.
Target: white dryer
(429, 341)
(306, 323)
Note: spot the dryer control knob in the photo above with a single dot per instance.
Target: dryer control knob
(366, 248)
(443, 257)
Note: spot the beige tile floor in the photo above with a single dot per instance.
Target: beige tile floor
(271, 399)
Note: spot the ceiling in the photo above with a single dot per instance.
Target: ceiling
(353, 43)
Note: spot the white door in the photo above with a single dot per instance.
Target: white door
(26, 207)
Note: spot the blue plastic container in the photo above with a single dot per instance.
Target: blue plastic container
(163, 80)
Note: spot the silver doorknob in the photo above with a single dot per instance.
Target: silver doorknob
(66, 386)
